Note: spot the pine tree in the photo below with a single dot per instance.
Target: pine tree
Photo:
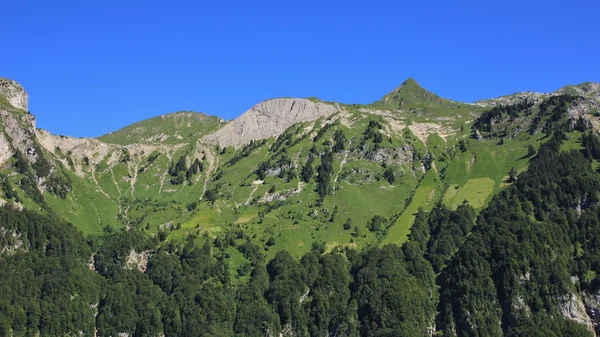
(530, 151)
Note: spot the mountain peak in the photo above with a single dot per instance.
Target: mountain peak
(409, 85)
(409, 94)
(410, 82)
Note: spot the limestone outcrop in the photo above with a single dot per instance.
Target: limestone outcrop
(14, 93)
(269, 118)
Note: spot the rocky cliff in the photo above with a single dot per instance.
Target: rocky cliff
(14, 93)
(269, 118)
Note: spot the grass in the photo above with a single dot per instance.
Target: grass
(174, 128)
(476, 192)
(425, 197)
(85, 206)
(573, 142)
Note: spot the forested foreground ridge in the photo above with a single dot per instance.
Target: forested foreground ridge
(406, 217)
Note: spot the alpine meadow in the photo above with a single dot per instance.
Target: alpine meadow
(414, 215)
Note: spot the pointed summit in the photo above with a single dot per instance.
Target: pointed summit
(410, 83)
(411, 94)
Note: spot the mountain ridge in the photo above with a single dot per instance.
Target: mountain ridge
(589, 90)
(403, 97)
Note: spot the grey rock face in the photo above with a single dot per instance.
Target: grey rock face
(269, 118)
(14, 93)
(572, 308)
(20, 130)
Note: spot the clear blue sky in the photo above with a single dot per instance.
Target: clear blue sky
(91, 67)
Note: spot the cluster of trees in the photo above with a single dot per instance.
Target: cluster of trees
(591, 143)
(324, 129)
(286, 140)
(307, 171)
(56, 181)
(7, 187)
(149, 161)
(373, 132)
(246, 151)
(485, 122)
(440, 233)
(389, 175)
(324, 174)
(180, 173)
(339, 141)
(551, 111)
(283, 166)
(556, 106)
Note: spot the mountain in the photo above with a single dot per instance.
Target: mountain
(173, 128)
(410, 93)
(413, 215)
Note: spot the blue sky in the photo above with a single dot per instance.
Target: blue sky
(91, 67)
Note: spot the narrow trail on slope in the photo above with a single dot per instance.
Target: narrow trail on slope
(112, 174)
(132, 181)
(133, 176)
(93, 171)
(251, 194)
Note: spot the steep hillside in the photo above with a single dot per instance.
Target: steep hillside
(173, 128)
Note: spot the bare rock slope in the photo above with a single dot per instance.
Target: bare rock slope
(269, 118)
(15, 128)
(14, 93)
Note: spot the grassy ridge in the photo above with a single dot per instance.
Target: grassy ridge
(174, 128)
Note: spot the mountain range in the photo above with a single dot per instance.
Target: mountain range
(301, 175)
(125, 176)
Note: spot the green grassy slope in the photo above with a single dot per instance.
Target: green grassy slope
(173, 128)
